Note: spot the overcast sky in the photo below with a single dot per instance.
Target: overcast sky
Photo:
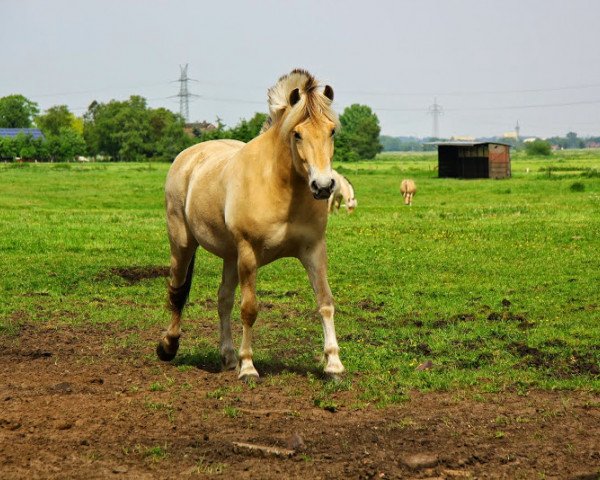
(488, 63)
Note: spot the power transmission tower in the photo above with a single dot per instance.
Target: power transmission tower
(436, 110)
(518, 131)
(184, 94)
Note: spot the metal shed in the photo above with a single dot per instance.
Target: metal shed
(473, 160)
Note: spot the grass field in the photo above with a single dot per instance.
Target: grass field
(495, 281)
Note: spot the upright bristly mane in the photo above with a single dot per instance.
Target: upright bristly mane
(312, 104)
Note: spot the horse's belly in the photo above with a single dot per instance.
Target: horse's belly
(213, 239)
(205, 220)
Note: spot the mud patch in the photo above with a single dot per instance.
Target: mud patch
(369, 305)
(459, 317)
(88, 412)
(505, 316)
(557, 365)
(136, 274)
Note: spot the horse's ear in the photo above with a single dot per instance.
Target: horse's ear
(294, 97)
(328, 92)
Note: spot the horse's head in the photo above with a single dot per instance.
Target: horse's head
(312, 148)
(303, 115)
(352, 204)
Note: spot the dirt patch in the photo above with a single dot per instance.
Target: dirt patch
(557, 365)
(369, 305)
(94, 402)
(136, 274)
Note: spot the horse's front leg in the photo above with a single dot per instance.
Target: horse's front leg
(315, 263)
(247, 267)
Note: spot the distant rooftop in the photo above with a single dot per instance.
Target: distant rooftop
(13, 132)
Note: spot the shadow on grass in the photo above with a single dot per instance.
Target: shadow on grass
(207, 358)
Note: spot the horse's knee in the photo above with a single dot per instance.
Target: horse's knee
(327, 310)
(249, 312)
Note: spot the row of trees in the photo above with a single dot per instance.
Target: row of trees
(131, 131)
(357, 139)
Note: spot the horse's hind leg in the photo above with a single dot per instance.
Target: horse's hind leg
(180, 282)
(229, 282)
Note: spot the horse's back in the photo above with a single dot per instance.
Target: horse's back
(408, 186)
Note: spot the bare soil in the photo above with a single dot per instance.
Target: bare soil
(94, 402)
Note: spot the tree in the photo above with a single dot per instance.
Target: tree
(573, 142)
(246, 130)
(65, 146)
(55, 119)
(16, 111)
(359, 135)
(130, 131)
(26, 146)
(538, 147)
(8, 148)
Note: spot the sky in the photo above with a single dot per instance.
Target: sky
(488, 63)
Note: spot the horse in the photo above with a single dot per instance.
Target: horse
(251, 204)
(408, 188)
(343, 190)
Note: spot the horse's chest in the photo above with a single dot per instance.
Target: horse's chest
(287, 240)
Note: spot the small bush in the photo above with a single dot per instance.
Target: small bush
(577, 187)
(538, 147)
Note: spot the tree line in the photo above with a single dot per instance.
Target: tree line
(129, 130)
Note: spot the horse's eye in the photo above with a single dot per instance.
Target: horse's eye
(297, 136)
(333, 132)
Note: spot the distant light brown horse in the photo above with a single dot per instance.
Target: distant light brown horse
(343, 190)
(251, 204)
(408, 188)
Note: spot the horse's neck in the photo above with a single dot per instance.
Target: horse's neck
(281, 164)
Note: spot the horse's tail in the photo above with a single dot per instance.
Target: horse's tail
(178, 295)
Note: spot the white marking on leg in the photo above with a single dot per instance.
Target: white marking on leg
(315, 263)
(331, 348)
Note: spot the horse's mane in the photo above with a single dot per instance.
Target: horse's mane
(312, 104)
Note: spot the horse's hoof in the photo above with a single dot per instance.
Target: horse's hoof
(250, 379)
(229, 362)
(225, 366)
(167, 354)
(334, 377)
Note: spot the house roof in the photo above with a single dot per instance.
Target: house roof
(13, 132)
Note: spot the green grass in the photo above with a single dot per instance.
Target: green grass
(494, 281)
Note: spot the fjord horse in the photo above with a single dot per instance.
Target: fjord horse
(251, 204)
(408, 188)
(343, 190)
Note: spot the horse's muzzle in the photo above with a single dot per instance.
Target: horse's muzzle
(322, 193)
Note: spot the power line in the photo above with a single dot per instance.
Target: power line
(91, 92)
(475, 92)
(508, 107)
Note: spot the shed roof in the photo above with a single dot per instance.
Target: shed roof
(13, 132)
(467, 144)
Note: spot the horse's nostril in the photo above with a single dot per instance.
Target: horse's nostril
(332, 184)
(314, 185)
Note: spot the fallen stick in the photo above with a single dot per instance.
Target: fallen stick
(266, 412)
(262, 450)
